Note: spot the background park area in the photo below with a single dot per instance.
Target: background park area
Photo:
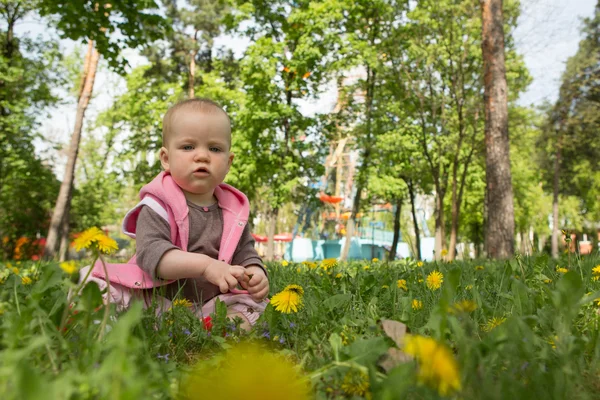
(424, 181)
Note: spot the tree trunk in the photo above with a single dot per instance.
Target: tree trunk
(363, 167)
(63, 251)
(411, 193)
(501, 219)
(62, 202)
(396, 239)
(439, 225)
(271, 234)
(555, 191)
(454, 216)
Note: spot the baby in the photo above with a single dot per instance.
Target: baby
(191, 229)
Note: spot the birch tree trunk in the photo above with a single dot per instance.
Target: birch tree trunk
(63, 200)
(501, 221)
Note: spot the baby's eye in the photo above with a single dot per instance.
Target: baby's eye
(187, 147)
(215, 149)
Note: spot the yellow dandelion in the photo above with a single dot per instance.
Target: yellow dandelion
(385, 287)
(26, 280)
(284, 263)
(548, 280)
(366, 267)
(444, 252)
(375, 260)
(69, 267)
(493, 323)
(596, 270)
(437, 367)
(597, 301)
(420, 264)
(402, 284)
(356, 383)
(310, 264)
(15, 270)
(87, 238)
(339, 275)
(182, 303)
(464, 306)
(561, 270)
(328, 263)
(552, 341)
(298, 269)
(235, 373)
(106, 245)
(416, 304)
(595, 278)
(289, 299)
(479, 268)
(435, 280)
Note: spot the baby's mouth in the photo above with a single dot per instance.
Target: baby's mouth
(201, 171)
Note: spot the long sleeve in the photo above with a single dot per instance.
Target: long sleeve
(245, 254)
(153, 240)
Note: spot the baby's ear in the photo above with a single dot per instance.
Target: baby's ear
(164, 158)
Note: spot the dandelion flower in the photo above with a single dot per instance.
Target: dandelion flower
(547, 280)
(328, 263)
(420, 264)
(435, 280)
(339, 275)
(552, 341)
(493, 323)
(182, 303)
(106, 245)
(246, 371)
(479, 268)
(464, 306)
(69, 267)
(385, 287)
(417, 304)
(596, 270)
(87, 238)
(444, 252)
(298, 269)
(26, 280)
(310, 264)
(375, 260)
(366, 267)
(289, 299)
(561, 270)
(596, 278)
(436, 364)
(402, 284)
(284, 263)
(356, 383)
(15, 270)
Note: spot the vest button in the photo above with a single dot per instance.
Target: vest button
(205, 208)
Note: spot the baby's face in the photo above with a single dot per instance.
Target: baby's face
(197, 153)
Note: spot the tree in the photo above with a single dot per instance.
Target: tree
(29, 69)
(500, 224)
(93, 21)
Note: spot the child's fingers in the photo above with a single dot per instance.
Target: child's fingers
(223, 286)
(260, 295)
(231, 281)
(239, 273)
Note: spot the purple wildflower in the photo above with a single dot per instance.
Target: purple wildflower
(186, 331)
(292, 325)
(267, 335)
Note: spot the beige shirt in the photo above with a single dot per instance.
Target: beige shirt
(153, 239)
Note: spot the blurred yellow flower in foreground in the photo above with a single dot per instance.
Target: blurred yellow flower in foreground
(328, 263)
(366, 267)
(596, 270)
(69, 267)
(465, 306)
(284, 263)
(26, 280)
(479, 268)
(561, 270)
(436, 364)
(435, 280)
(420, 264)
(182, 303)
(444, 252)
(375, 260)
(289, 299)
(246, 371)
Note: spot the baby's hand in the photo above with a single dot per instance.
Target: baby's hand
(258, 286)
(225, 276)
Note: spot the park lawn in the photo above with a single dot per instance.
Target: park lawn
(524, 328)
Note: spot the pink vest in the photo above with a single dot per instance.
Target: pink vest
(165, 197)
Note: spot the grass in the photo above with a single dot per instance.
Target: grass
(524, 330)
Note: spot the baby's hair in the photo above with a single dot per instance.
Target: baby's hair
(199, 104)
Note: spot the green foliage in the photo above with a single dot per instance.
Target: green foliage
(543, 342)
(113, 25)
